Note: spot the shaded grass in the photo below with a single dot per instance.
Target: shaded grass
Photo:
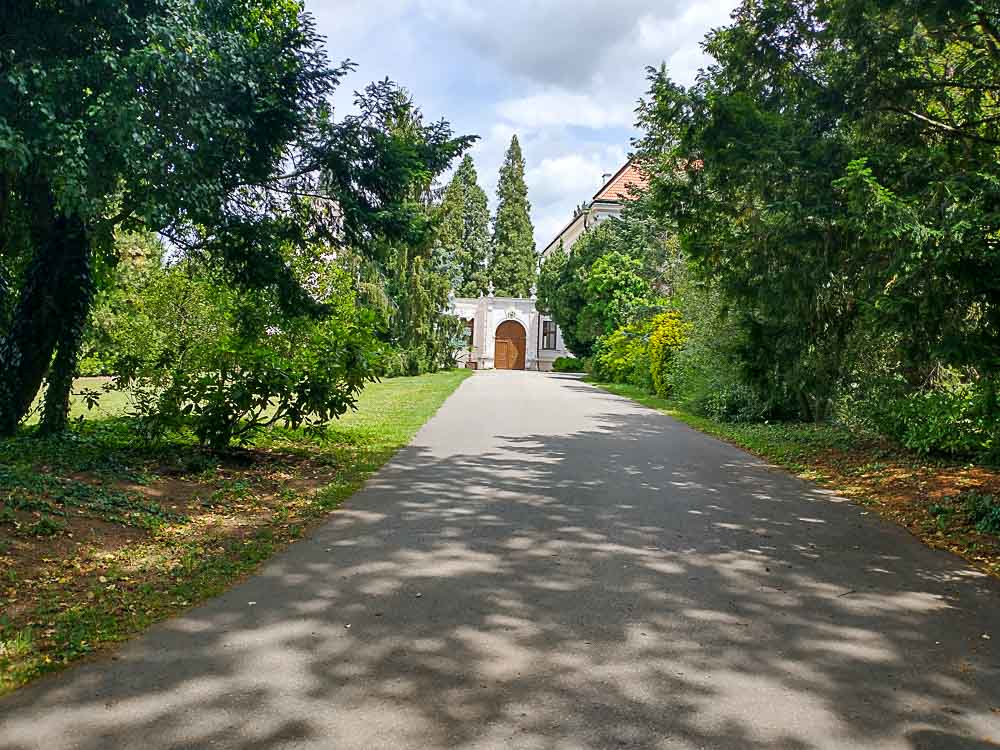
(101, 536)
(945, 503)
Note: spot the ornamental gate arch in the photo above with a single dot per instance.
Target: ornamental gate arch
(511, 346)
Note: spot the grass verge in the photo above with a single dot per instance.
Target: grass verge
(945, 503)
(101, 537)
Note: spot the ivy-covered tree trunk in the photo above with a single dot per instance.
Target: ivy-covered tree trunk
(63, 371)
(53, 300)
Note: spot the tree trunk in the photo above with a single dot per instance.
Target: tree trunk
(62, 373)
(50, 302)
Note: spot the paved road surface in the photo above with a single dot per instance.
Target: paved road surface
(549, 566)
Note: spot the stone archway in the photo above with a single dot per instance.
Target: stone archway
(511, 346)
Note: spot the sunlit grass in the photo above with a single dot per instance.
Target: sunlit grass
(110, 403)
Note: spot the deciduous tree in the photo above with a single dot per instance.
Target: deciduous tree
(207, 121)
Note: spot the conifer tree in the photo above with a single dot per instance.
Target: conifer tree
(514, 264)
(464, 234)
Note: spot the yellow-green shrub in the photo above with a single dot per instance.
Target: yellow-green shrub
(640, 353)
(667, 336)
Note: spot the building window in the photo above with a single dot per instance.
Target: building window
(548, 334)
(470, 328)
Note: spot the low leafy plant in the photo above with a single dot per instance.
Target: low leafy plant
(26, 490)
(983, 512)
(943, 514)
(976, 509)
(18, 644)
(45, 526)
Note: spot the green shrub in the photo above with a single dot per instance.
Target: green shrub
(568, 364)
(623, 357)
(704, 372)
(435, 348)
(641, 353)
(954, 416)
(196, 354)
(397, 363)
(732, 402)
(983, 512)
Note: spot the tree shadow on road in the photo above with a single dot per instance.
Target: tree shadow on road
(592, 590)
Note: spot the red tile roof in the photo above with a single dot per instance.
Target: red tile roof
(619, 187)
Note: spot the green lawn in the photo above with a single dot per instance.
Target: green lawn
(102, 535)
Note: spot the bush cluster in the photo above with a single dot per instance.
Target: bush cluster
(193, 354)
(641, 353)
(953, 417)
(667, 336)
(568, 364)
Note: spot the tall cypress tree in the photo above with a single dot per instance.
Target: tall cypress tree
(514, 264)
(464, 234)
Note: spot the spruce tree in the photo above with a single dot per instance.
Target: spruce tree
(513, 265)
(464, 234)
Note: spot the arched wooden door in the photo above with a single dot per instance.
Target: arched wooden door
(511, 346)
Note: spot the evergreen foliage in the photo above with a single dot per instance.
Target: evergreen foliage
(513, 261)
(464, 234)
(831, 185)
(413, 279)
(835, 172)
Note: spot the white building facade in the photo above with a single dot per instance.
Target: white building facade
(507, 333)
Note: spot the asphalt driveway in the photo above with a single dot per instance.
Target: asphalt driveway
(549, 566)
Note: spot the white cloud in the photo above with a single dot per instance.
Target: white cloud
(551, 179)
(564, 75)
(556, 185)
(561, 108)
(556, 42)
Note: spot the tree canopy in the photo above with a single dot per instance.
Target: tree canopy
(835, 172)
(209, 122)
(614, 271)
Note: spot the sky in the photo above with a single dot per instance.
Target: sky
(564, 75)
